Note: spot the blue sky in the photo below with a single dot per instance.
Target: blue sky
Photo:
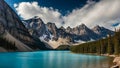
(64, 6)
(72, 12)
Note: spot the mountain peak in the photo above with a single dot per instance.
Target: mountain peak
(62, 28)
(14, 29)
(82, 26)
(101, 30)
(97, 27)
(35, 22)
(81, 32)
(51, 24)
(68, 28)
(36, 18)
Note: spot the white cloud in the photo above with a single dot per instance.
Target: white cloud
(104, 13)
(15, 5)
(30, 9)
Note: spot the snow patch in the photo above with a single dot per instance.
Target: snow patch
(79, 41)
(43, 37)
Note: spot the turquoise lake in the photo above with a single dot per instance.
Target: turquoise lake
(52, 59)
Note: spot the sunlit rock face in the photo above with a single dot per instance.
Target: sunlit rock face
(101, 31)
(10, 23)
(51, 34)
(37, 28)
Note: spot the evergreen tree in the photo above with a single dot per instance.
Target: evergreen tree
(109, 45)
(116, 44)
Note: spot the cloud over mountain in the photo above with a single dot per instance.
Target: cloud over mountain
(103, 13)
(30, 9)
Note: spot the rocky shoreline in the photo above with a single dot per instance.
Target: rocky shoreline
(116, 62)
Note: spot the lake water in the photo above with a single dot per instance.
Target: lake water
(52, 59)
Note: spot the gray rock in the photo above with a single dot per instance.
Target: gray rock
(81, 32)
(11, 23)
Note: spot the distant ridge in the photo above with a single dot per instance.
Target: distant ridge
(51, 34)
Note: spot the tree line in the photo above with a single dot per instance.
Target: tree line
(109, 45)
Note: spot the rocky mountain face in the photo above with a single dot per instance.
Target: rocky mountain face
(12, 29)
(101, 31)
(82, 32)
(37, 28)
(49, 32)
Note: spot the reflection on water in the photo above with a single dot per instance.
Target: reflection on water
(52, 59)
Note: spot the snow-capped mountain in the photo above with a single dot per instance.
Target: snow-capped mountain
(13, 30)
(83, 33)
(58, 36)
(37, 28)
(101, 31)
